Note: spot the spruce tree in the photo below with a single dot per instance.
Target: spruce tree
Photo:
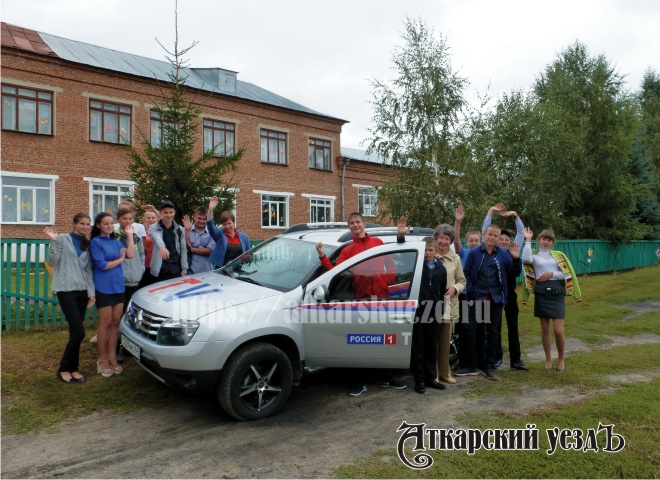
(169, 168)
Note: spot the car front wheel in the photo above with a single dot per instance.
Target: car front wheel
(256, 382)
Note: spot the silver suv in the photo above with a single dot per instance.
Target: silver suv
(251, 329)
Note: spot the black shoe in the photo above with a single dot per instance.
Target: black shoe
(420, 387)
(489, 373)
(68, 382)
(519, 366)
(437, 385)
(498, 363)
(80, 379)
(466, 372)
(392, 383)
(357, 389)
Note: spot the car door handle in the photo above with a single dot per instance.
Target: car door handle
(400, 317)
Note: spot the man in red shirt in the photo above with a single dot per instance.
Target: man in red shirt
(371, 278)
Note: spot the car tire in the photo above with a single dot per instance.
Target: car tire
(256, 382)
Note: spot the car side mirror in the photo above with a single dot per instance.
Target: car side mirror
(320, 293)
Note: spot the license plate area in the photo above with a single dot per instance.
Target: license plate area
(132, 347)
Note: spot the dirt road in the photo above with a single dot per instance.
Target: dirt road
(320, 428)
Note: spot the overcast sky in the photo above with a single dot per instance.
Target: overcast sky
(322, 54)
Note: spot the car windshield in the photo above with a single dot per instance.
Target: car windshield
(279, 263)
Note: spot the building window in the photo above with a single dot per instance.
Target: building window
(28, 198)
(273, 147)
(159, 129)
(274, 211)
(368, 201)
(107, 194)
(27, 110)
(320, 210)
(219, 135)
(109, 122)
(319, 154)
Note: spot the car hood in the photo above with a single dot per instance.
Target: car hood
(194, 296)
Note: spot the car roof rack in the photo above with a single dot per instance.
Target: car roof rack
(389, 231)
(302, 227)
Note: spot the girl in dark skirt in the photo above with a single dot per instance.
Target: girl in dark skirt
(550, 276)
(108, 253)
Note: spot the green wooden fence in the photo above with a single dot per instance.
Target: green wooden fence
(600, 256)
(27, 300)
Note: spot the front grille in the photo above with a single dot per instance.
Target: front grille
(144, 322)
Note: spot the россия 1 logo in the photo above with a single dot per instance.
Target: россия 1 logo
(371, 339)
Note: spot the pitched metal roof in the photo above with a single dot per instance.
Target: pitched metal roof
(362, 156)
(106, 58)
(25, 39)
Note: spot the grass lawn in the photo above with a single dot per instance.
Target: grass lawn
(634, 408)
(33, 399)
(38, 283)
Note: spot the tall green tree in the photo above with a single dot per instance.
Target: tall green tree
(169, 168)
(650, 105)
(514, 158)
(587, 96)
(414, 125)
(645, 164)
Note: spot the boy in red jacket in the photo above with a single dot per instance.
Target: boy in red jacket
(367, 282)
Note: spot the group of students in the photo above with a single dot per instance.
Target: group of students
(106, 267)
(469, 289)
(105, 263)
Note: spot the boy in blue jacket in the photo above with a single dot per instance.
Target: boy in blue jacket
(486, 270)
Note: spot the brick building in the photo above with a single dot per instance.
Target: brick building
(69, 108)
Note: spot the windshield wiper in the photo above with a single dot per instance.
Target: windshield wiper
(225, 272)
(248, 280)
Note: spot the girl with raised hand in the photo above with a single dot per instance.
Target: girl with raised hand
(550, 276)
(69, 254)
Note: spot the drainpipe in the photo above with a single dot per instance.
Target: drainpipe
(343, 176)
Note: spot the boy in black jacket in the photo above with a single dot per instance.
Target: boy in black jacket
(429, 313)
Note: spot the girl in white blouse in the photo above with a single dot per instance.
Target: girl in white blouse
(553, 274)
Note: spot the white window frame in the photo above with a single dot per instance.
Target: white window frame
(51, 188)
(323, 198)
(105, 182)
(362, 192)
(287, 196)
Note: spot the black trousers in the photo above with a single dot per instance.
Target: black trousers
(480, 334)
(167, 276)
(511, 311)
(147, 278)
(424, 348)
(458, 330)
(128, 293)
(73, 305)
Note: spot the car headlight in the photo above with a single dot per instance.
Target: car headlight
(176, 332)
